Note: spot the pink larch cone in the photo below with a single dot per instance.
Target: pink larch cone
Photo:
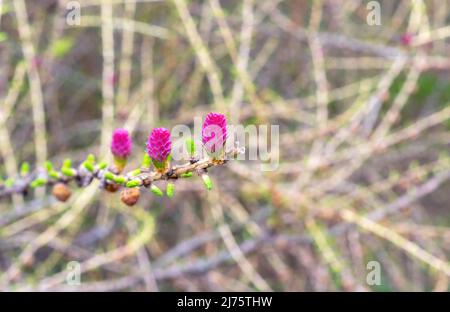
(159, 145)
(121, 147)
(214, 132)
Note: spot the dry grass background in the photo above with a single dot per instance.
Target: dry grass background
(364, 141)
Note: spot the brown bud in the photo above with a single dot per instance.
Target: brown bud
(112, 188)
(130, 196)
(61, 191)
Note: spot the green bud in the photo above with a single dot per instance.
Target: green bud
(54, 174)
(67, 163)
(48, 166)
(102, 165)
(90, 158)
(135, 172)
(133, 183)
(190, 145)
(109, 176)
(9, 182)
(207, 181)
(38, 182)
(24, 169)
(156, 190)
(67, 171)
(186, 175)
(120, 179)
(89, 166)
(169, 190)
